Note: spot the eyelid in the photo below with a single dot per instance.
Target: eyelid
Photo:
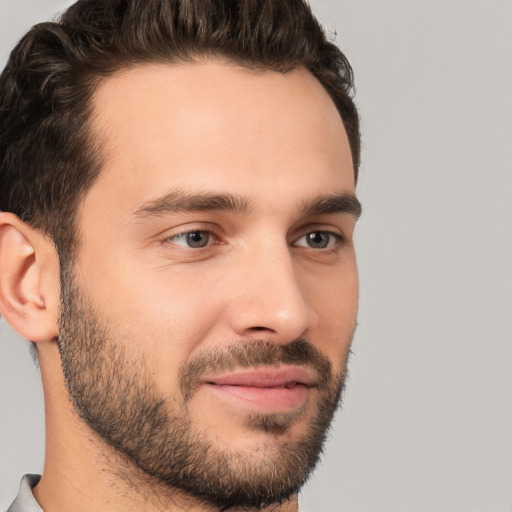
(319, 227)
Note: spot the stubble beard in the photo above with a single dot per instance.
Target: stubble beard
(116, 397)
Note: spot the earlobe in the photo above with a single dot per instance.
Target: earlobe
(29, 280)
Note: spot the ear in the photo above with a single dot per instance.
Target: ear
(29, 280)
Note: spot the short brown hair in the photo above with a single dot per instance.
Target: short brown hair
(49, 158)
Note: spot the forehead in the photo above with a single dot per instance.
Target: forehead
(215, 126)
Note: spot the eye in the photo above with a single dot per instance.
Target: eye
(318, 240)
(193, 239)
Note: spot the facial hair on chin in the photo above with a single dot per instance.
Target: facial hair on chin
(116, 397)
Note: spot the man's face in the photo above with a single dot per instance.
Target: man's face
(206, 325)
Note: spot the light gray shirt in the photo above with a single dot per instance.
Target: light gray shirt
(25, 501)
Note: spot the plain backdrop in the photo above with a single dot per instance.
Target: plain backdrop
(427, 417)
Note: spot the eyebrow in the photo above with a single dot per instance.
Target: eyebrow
(334, 204)
(178, 201)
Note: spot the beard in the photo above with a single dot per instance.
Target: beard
(114, 393)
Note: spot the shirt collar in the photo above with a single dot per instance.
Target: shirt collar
(25, 501)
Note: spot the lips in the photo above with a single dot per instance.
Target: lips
(267, 389)
(267, 377)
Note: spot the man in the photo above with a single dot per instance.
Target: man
(177, 208)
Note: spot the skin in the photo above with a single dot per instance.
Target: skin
(276, 142)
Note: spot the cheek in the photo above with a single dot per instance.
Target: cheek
(160, 316)
(176, 317)
(336, 304)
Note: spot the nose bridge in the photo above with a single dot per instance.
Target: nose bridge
(270, 300)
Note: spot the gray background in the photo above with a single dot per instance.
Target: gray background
(427, 420)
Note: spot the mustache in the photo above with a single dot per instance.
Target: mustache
(251, 354)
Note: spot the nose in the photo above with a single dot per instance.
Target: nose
(269, 301)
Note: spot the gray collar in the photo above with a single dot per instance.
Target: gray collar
(25, 501)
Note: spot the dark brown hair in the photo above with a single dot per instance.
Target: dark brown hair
(49, 158)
